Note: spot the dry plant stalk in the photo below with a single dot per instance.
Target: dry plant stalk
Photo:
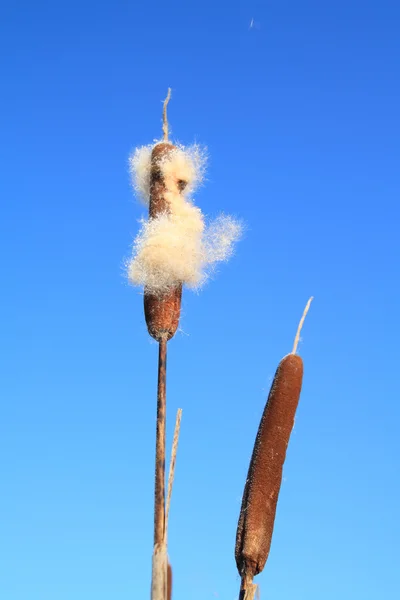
(159, 566)
(172, 464)
(162, 571)
(171, 476)
(260, 497)
(162, 318)
(247, 590)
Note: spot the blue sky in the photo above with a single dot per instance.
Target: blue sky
(301, 118)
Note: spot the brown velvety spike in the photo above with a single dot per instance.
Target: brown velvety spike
(169, 582)
(257, 514)
(161, 311)
(158, 204)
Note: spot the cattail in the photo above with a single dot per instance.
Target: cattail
(173, 248)
(162, 310)
(260, 497)
(175, 245)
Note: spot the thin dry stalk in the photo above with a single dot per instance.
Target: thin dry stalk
(171, 474)
(165, 119)
(297, 338)
(159, 496)
(248, 589)
(162, 317)
(159, 572)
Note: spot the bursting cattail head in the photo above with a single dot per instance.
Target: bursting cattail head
(161, 308)
(174, 246)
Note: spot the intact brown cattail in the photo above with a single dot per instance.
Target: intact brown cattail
(260, 497)
(162, 311)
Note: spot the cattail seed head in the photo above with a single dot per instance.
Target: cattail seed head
(158, 202)
(175, 245)
(162, 313)
(257, 514)
(162, 310)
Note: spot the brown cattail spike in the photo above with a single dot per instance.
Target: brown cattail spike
(257, 515)
(162, 311)
(260, 497)
(158, 203)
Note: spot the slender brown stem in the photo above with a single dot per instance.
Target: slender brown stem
(159, 495)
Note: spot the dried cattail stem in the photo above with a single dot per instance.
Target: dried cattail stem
(260, 497)
(162, 311)
(159, 568)
(247, 588)
(159, 494)
(162, 318)
(166, 565)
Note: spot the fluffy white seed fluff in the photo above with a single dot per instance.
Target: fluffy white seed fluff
(220, 237)
(189, 162)
(139, 167)
(177, 247)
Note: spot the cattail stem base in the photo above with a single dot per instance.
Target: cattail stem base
(159, 570)
(247, 588)
(159, 492)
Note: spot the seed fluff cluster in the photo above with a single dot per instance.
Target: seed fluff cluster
(177, 246)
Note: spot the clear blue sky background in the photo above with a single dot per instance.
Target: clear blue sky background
(301, 117)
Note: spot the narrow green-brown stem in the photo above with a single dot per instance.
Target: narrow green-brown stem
(159, 493)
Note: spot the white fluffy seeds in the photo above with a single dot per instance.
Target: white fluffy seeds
(176, 247)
